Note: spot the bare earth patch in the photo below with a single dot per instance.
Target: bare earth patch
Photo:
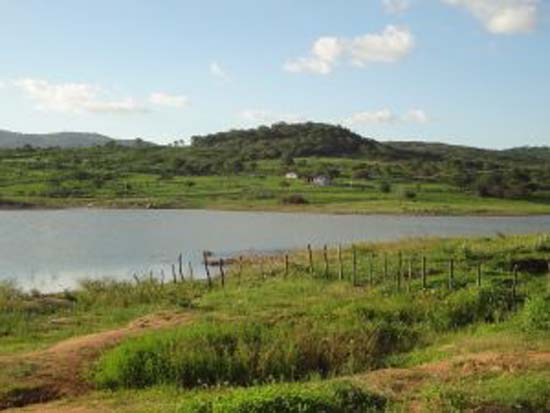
(56, 372)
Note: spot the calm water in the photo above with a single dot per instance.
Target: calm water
(52, 250)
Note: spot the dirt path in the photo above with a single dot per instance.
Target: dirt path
(57, 371)
(398, 384)
(403, 384)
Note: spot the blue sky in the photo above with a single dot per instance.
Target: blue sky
(473, 72)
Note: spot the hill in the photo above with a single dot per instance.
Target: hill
(12, 140)
(447, 151)
(295, 140)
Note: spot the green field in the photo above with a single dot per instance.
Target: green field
(144, 178)
(298, 340)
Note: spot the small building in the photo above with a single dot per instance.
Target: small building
(291, 175)
(321, 180)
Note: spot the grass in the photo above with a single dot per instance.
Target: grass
(267, 338)
(53, 185)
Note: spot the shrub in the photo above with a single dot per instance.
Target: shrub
(536, 314)
(385, 187)
(408, 194)
(340, 397)
(295, 199)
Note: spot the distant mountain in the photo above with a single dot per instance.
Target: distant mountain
(10, 140)
(448, 151)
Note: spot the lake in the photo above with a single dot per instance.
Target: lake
(51, 250)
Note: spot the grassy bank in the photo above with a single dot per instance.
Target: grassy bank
(305, 340)
(114, 177)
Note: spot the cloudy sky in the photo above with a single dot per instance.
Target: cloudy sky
(473, 72)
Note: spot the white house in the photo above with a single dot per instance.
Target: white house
(291, 175)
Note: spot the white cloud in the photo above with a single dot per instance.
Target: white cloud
(267, 116)
(379, 116)
(386, 116)
(502, 16)
(74, 97)
(217, 71)
(396, 6)
(173, 101)
(2, 85)
(416, 116)
(391, 45)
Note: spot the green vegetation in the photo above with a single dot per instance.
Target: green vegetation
(246, 170)
(302, 341)
(333, 397)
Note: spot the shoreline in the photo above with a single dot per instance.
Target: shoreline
(307, 210)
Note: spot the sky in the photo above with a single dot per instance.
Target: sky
(472, 72)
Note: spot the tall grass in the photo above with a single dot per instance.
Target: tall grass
(332, 397)
(326, 341)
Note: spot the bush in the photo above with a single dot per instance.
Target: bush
(245, 354)
(295, 199)
(536, 314)
(408, 194)
(385, 187)
(466, 307)
(339, 397)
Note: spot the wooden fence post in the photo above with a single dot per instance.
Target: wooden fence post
(399, 270)
(409, 276)
(514, 284)
(222, 273)
(174, 277)
(208, 278)
(240, 268)
(325, 257)
(479, 274)
(424, 273)
(190, 267)
(371, 270)
(451, 273)
(310, 257)
(286, 265)
(180, 265)
(354, 266)
(341, 264)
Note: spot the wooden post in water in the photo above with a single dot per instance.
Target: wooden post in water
(207, 270)
(479, 274)
(310, 257)
(222, 273)
(286, 265)
(424, 273)
(354, 266)
(340, 263)
(180, 266)
(174, 276)
(451, 273)
(325, 258)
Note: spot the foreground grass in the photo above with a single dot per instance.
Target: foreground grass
(272, 342)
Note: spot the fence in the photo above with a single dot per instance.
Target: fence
(397, 272)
